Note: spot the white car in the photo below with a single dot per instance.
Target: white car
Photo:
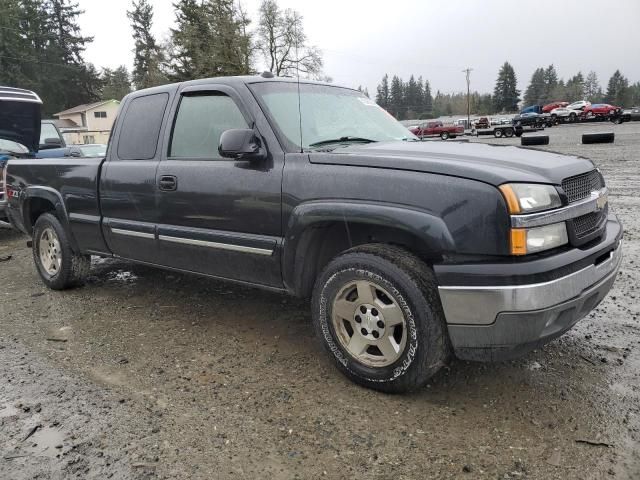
(571, 112)
(579, 105)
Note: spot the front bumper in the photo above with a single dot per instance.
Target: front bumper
(506, 321)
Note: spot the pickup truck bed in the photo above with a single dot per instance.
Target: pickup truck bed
(410, 251)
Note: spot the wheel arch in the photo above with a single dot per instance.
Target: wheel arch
(319, 231)
(39, 200)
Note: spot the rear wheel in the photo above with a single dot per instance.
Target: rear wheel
(572, 117)
(497, 133)
(377, 311)
(58, 266)
(508, 132)
(444, 135)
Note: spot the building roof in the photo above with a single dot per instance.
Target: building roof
(84, 108)
(65, 123)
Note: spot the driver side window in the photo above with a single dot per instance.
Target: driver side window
(200, 121)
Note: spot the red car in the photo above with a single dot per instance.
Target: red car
(550, 106)
(600, 109)
(437, 129)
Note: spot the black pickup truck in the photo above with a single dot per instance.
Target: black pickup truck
(410, 251)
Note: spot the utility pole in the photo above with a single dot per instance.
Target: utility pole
(468, 71)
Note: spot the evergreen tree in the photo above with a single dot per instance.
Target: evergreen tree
(232, 44)
(618, 90)
(574, 89)
(411, 99)
(396, 97)
(535, 93)
(116, 83)
(592, 89)
(506, 93)
(551, 82)
(383, 93)
(211, 39)
(427, 100)
(189, 49)
(148, 55)
(363, 90)
(42, 51)
(635, 94)
(559, 92)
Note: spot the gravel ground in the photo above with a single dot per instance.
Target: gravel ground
(149, 374)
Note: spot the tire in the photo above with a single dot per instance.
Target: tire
(508, 132)
(572, 117)
(64, 268)
(444, 135)
(604, 137)
(497, 133)
(535, 140)
(398, 281)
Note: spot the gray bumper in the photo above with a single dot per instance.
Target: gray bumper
(498, 323)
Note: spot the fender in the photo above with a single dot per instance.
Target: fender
(53, 196)
(429, 229)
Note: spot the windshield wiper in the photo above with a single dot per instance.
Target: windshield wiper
(342, 140)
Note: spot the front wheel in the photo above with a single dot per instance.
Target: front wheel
(58, 265)
(377, 312)
(444, 135)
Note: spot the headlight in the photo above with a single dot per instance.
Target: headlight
(532, 240)
(529, 198)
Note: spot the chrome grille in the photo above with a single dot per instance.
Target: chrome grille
(587, 224)
(580, 187)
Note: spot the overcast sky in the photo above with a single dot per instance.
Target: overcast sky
(361, 40)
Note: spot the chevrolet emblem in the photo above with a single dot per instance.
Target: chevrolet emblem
(601, 201)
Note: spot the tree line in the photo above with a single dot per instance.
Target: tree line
(411, 100)
(42, 48)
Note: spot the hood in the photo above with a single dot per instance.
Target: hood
(493, 164)
(20, 117)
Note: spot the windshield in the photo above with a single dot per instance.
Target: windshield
(94, 150)
(47, 130)
(7, 146)
(326, 115)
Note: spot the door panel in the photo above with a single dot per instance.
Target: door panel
(128, 192)
(224, 216)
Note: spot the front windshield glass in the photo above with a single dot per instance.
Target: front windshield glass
(326, 115)
(7, 146)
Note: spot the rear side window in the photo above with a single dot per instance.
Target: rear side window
(140, 128)
(200, 121)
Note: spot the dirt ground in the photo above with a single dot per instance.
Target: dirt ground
(149, 374)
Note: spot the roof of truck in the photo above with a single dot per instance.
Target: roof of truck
(244, 79)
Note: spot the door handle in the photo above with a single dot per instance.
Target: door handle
(168, 183)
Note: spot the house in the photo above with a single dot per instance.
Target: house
(90, 123)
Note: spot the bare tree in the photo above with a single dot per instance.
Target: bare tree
(283, 42)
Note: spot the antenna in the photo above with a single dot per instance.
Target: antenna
(295, 26)
(468, 73)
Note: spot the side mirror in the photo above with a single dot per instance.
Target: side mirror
(51, 143)
(241, 144)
